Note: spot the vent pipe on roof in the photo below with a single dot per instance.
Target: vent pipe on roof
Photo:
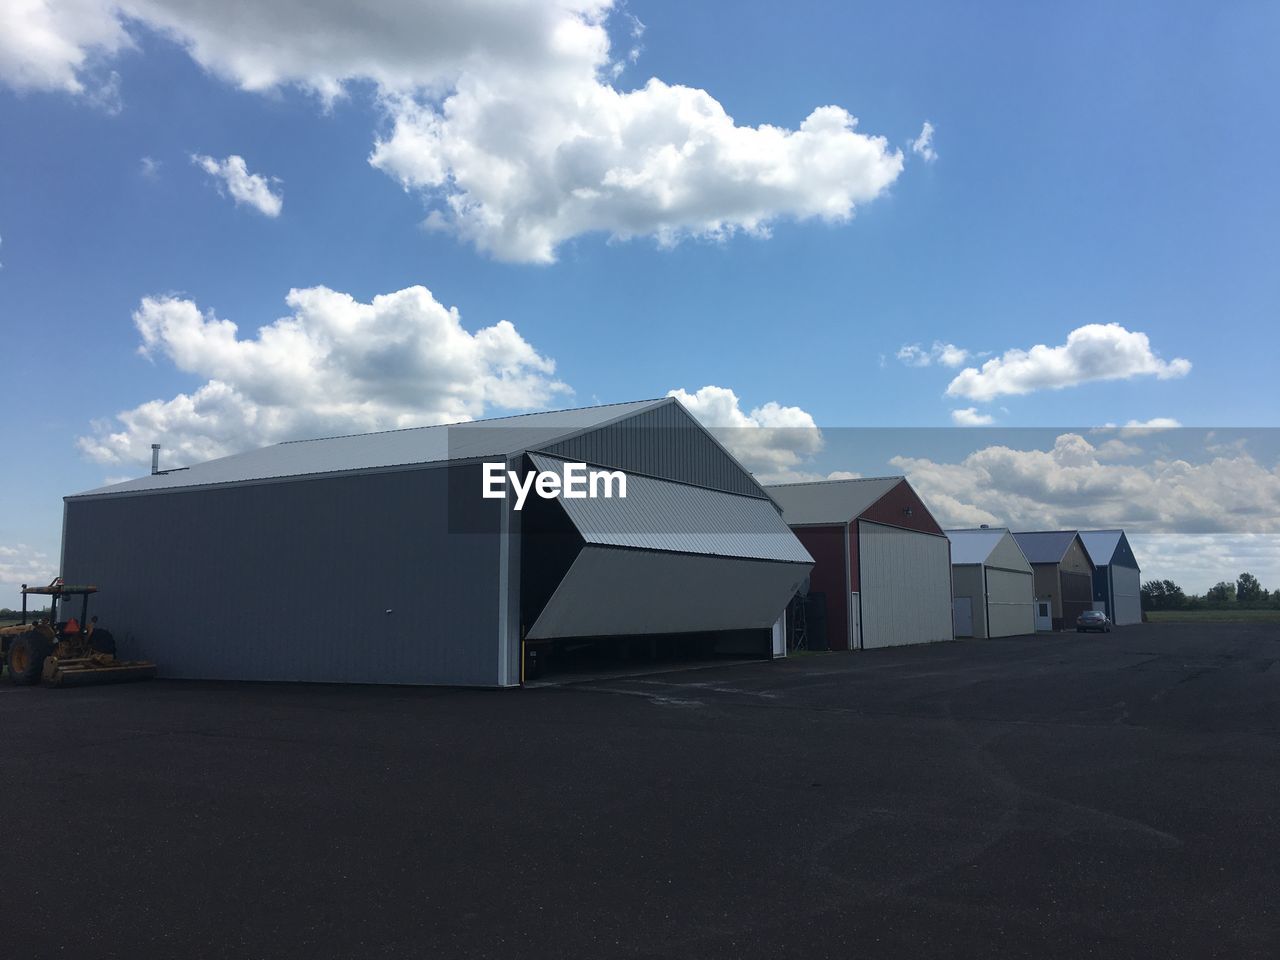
(155, 459)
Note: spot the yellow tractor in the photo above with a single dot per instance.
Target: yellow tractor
(65, 653)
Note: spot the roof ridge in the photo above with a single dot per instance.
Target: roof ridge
(809, 483)
(463, 423)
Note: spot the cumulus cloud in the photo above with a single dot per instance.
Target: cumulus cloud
(1095, 351)
(946, 354)
(56, 44)
(503, 116)
(334, 365)
(770, 440)
(233, 176)
(922, 146)
(970, 417)
(1076, 484)
(519, 171)
(149, 167)
(1197, 561)
(21, 564)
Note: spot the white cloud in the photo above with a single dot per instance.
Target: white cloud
(518, 171)
(1139, 428)
(1077, 485)
(21, 564)
(770, 440)
(922, 146)
(55, 45)
(335, 365)
(1197, 561)
(1093, 352)
(501, 114)
(946, 354)
(248, 188)
(150, 167)
(970, 417)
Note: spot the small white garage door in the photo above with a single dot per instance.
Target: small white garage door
(906, 586)
(1126, 594)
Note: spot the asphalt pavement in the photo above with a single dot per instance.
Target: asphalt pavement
(1070, 796)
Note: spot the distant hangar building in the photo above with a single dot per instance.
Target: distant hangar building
(1117, 579)
(376, 559)
(993, 584)
(1063, 576)
(882, 564)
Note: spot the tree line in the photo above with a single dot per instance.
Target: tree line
(1245, 593)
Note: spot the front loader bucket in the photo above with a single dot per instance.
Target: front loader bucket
(84, 671)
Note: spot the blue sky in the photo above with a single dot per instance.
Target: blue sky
(1095, 164)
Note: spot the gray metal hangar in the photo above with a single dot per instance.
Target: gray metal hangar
(1063, 576)
(377, 559)
(992, 582)
(1117, 578)
(881, 562)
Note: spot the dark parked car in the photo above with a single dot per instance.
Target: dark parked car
(1093, 620)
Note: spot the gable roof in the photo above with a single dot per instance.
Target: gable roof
(1101, 544)
(1045, 546)
(502, 436)
(974, 546)
(829, 501)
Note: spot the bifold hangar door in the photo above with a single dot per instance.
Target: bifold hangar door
(1010, 602)
(669, 558)
(1126, 595)
(905, 579)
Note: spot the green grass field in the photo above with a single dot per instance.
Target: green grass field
(1214, 616)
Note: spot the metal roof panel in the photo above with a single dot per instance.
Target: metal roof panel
(681, 518)
(502, 436)
(1101, 545)
(829, 501)
(1045, 546)
(974, 546)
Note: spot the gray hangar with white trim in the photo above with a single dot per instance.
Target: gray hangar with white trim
(1117, 578)
(993, 585)
(377, 559)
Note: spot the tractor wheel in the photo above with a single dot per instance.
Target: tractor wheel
(27, 654)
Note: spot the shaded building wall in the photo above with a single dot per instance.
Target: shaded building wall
(378, 577)
(827, 547)
(967, 581)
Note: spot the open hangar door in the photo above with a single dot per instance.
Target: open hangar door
(671, 574)
(905, 580)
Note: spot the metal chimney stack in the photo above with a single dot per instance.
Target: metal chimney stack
(155, 459)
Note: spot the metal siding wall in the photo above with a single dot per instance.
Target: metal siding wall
(1127, 597)
(1007, 555)
(1077, 596)
(289, 581)
(966, 581)
(1011, 600)
(662, 442)
(1047, 588)
(906, 586)
(826, 546)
